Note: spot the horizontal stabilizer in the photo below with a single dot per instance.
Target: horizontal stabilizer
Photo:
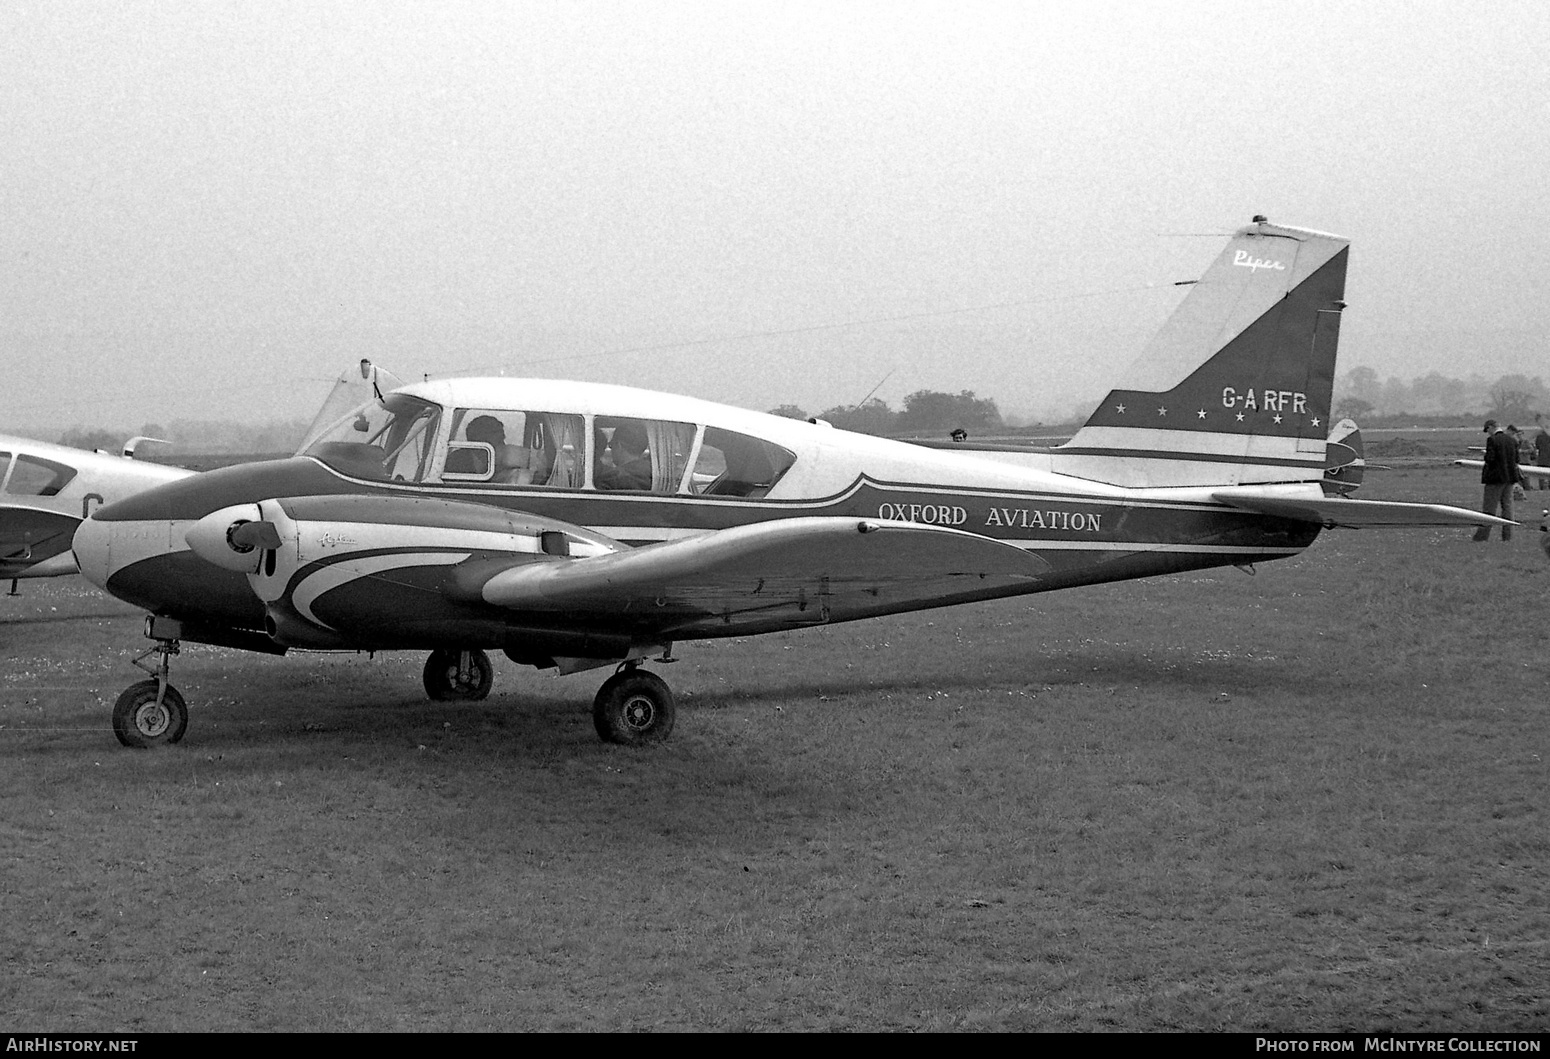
(1353, 514)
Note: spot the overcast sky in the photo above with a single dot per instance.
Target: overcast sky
(212, 209)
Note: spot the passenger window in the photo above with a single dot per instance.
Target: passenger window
(736, 465)
(640, 455)
(5, 465)
(33, 476)
(469, 459)
(504, 447)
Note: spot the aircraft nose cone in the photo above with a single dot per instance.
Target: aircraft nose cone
(210, 538)
(92, 553)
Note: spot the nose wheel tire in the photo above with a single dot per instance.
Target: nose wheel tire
(449, 677)
(633, 707)
(140, 721)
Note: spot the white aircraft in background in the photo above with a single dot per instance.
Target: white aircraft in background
(573, 525)
(46, 491)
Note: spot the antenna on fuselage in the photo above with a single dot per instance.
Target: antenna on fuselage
(874, 389)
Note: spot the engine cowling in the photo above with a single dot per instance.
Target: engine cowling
(378, 571)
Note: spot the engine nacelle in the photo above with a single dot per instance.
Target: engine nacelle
(215, 538)
(372, 571)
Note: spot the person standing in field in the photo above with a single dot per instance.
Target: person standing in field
(1498, 477)
(1542, 454)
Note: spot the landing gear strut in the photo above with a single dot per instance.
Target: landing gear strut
(465, 675)
(151, 713)
(633, 707)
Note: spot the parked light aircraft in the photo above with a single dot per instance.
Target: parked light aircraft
(47, 490)
(573, 525)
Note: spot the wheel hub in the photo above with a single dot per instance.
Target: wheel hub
(152, 719)
(639, 712)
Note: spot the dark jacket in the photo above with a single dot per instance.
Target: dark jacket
(1501, 460)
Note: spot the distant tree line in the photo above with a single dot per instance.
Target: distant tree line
(1359, 394)
(924, 412)
(197, 436)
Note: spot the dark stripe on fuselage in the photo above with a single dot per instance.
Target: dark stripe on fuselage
(1315, 464)
(1001, 514)
(1086, 540)
(213, 594)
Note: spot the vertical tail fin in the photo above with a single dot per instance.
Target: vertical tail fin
(1235, 389)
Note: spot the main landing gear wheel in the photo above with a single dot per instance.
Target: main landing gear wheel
(140, 721)
(633, 707)
(465, 675)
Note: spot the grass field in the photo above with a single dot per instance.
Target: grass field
(1310, 799)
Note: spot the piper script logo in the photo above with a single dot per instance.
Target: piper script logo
(1244, 259)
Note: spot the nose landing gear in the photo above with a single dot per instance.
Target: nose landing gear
(151, 713)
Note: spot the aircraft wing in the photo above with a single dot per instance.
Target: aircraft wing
(1352, 514)
(23, 527)
(1529, 470)
(30, 535)
(769, 575)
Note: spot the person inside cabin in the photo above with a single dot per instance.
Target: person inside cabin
(514, 465)
(629, 466)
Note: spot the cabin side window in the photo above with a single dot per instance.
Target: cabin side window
(641, 455)
(733, 465)
(34, 476)
(505, 447)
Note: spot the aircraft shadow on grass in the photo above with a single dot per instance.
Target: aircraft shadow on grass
(69, 619)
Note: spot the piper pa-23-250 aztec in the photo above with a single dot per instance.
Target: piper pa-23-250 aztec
(576, 525)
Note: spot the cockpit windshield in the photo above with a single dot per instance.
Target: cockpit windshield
(352, 387)
(386, 438)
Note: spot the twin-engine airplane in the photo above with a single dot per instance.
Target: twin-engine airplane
(46, 491)
(574, 525)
